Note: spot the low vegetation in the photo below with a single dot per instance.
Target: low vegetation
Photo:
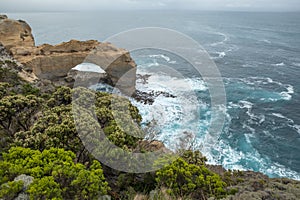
(55, 174)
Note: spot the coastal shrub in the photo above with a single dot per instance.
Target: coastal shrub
(45, 188)
(119, 105)
(119, 118)
(10, 190)
(183, 179)
(139, 182)
(9, 76)
(54, 128)
(10, 63)
(55, 174)
(116, 135)
(17, 87)
(4, 89)
(16, 112)
(28, 89)
(61, 96)
(193, 157)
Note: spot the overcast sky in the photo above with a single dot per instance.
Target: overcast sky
(68, 5)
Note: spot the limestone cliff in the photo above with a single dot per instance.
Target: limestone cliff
(15, 33)
(53, 62)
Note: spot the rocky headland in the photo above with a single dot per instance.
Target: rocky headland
(53, 62)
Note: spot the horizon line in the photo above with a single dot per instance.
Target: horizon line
(201, 10)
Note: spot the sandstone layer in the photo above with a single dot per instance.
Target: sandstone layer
(15, 33)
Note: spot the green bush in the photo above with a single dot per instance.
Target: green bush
(61, 96)
(28, 89)
(45, 188)
(119, 118)
(9, 76)
(184, 179)
(56, 170)
(193, 157)
(4, 89)
(56, 126)
(10, 189)
(143, 183)
(16, 112)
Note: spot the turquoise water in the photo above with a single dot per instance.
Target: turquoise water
(258, 57)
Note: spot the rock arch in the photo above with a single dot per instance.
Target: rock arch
(53, 62)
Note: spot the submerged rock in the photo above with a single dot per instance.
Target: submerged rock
(149, 97)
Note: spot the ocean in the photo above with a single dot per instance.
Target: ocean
(258, 56)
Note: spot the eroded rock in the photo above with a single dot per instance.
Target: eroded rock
(53, 62)
(15, 33)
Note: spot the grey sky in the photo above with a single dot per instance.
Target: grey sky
(63, 5)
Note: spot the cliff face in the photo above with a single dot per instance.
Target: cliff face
(15, 33)
(53, 62)
(9, 66)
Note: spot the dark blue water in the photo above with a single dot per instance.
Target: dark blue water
(258, 55)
